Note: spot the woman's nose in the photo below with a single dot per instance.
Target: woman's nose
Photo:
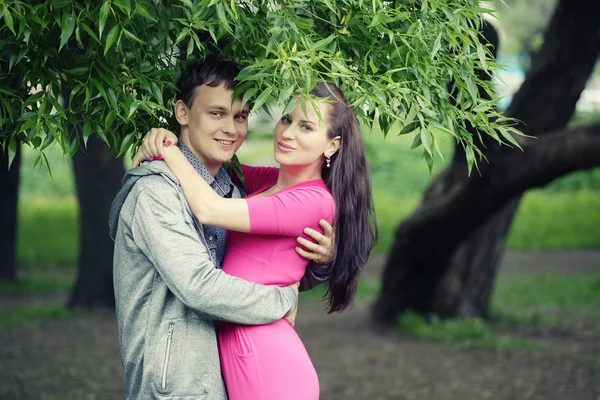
(288, 133)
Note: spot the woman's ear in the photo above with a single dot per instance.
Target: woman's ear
(181, 113)
(334, 145)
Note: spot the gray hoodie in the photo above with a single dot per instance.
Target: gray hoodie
(168, 292)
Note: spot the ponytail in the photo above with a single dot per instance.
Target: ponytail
(348, 181)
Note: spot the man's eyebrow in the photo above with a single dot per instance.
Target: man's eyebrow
(216, 107)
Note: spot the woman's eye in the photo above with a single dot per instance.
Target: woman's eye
(286, 120)
(307, 127)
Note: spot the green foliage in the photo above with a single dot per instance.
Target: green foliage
(116, 61)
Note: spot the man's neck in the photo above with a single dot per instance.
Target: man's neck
(212, 169)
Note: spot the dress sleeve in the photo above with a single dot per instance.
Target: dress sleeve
(258, 178)
(287, 213)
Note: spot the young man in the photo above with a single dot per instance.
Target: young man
(168, 291)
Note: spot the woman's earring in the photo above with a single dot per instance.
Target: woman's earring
(328, 162)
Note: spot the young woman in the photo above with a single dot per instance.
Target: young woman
(323, 174)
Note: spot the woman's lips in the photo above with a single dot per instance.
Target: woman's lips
(285, 147)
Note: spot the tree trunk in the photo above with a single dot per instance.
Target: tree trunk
(98, 177)
(9, 180)
(445, 256)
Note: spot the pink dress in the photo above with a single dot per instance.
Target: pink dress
(269, 362)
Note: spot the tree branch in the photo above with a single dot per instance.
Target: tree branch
(553, 155)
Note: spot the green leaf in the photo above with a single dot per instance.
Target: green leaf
(12, 150)
(126, 144)
(248, 94)
(132, 36)
(76, 71)
(470, 158)
(110, 39)
(235, 167)
(104, 11)
(416, 142)
(429, 160)
(143, 12)
(508, 136)
(89, 31)
(409, 128)
(124, 4)
(57, 106)
(67, 27)
(261, 100)
(8, 19)
(427, 141)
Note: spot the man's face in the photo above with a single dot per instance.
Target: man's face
(215, 127)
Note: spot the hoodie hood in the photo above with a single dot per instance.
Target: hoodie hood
(129, 180)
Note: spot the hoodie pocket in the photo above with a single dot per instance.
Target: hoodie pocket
(185, 358)
(163, 382)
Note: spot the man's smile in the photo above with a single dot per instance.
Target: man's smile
(225, 142)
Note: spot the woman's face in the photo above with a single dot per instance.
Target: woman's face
(301, 139)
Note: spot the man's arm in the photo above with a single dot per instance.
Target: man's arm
(160, 229)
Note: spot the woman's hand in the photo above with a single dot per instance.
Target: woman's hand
(153, 145)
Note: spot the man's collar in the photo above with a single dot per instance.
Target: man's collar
(222, 179)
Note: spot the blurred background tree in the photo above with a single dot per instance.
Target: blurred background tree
(446, 254)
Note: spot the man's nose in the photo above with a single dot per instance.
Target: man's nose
(228, 126)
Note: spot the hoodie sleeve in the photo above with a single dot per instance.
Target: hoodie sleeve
(164, 233)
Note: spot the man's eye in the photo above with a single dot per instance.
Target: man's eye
(241, 117)
(215, 114)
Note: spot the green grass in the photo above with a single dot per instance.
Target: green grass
(557, 221)
(47, 231)
(467, 332)
(39, 284)
(48, 226)
(566, 215)
(537, 294)
(518, 300)
(16, 317)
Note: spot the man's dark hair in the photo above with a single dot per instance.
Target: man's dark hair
(212, 71)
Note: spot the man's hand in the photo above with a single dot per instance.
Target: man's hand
(292, 317)
(153, 145)
(323, 250)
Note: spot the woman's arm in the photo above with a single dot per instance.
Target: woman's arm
(207, 206)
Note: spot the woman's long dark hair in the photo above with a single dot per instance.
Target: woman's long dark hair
(349, 182)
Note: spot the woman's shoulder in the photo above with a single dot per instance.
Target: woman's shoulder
(259, 178)
(314, 192)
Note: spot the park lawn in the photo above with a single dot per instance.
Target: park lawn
(564, 215)
(48, 226)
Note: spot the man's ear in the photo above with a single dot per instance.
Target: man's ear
(334, 146)
(181, 113)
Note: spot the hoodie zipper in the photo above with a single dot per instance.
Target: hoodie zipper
(167, 353)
